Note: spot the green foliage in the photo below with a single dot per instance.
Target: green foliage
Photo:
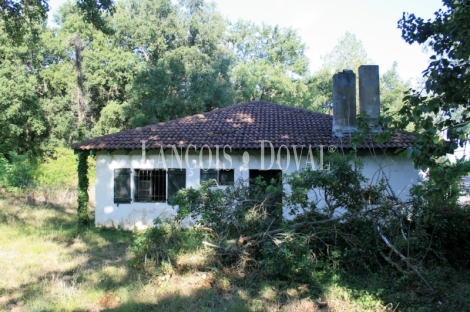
(198, 83)
(392, 91)
(237, 208)
(17, 173)
(275, 45)
(291, 259)
(22, 122)
(450, 232)
(205, 203)
(340, 186)
(82, 171)
(18, 18)
(320, 89)
(349, 53)
(92, 11)
(343, 223)
(271, 64)
(441, 187)
(59, 170)
(21, 18)
(185, 68)
(442, 108)
(161, 244)
(4, 166)
(439, 215)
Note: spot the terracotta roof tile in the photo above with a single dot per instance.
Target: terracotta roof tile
(241, 126)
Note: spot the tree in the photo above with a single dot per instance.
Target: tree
(187, 72)
(320, 90)
(349, 53)
(22, 121)
(392, 91)
(107, 74)
(270, 64)
(147, 28)
(21, 17)
(184, 82)
(441, 111)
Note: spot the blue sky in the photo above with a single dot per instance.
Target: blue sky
(321, 23)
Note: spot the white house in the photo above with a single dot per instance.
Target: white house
(138, 170)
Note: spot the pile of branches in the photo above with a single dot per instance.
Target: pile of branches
(338, 219)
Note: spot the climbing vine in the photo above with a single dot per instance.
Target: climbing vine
(82, 170)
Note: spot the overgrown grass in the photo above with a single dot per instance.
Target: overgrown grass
(48, 264)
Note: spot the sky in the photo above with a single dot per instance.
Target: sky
(321, 23)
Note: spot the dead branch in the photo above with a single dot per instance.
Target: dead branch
(403, 258)
(211, 245)
(297, 225)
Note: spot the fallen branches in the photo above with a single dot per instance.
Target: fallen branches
(295, 226)
(406, 260)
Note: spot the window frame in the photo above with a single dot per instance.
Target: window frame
(171, 175)
(155, 180)
(153, 185)
(217, 179)
(122, 178)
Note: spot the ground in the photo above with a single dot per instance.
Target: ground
(48, 264)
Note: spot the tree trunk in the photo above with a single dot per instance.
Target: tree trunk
(78, 71)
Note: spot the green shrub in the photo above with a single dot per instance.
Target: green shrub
(60, 170)
(4, 166)
(17, 173)
(292, 259)
(160, 245)
(235, 210)
(377, 233)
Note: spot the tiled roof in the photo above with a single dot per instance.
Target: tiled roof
(241, 126)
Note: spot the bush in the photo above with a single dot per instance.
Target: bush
(157, 248)
(376, 232)
(60, 170)
(4, 166)
(18, 172)
(289, 259)
(236, 210)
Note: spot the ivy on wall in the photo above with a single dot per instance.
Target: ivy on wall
(82, 170)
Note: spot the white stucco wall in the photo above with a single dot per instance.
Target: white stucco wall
(400, 173)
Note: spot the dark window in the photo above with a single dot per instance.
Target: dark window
(209, 174)
(222, 177)
(176, 181)
(269, 176)
(122, 185)
(150, 185)
(273, 178)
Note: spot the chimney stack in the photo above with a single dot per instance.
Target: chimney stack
(369, 94)
(344, 99)
(344, 103)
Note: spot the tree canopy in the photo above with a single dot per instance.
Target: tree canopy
(349, 53)
(270, 64)
(21, 17)
(162, 60)
(440, 111)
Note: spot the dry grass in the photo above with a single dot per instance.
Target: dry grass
(48, 264)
